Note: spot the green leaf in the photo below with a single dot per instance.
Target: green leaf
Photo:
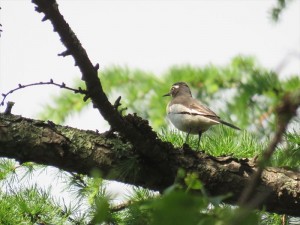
(177, 208)
(102, 213)
(192, 181)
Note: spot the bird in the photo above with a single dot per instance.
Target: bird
(190, 115)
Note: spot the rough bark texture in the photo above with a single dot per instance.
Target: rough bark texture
(136, 155)
(81, 151)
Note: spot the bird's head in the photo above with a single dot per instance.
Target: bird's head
(179, 88)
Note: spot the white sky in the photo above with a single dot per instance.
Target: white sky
(150, 35)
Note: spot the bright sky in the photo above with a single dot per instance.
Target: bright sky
(150, 35)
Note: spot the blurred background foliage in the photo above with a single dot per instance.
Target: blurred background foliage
(242, 92)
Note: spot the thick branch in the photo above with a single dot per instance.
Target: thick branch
(134, 130)
(81, 151)
(155, 163)
(90, 75)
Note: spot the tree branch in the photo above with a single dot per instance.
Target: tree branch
(81, 151)
(146, 157)
(133, 128)
(51, 82)
(285, 112)
(88, 71)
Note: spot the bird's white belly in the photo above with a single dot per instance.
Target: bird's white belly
(191, 123)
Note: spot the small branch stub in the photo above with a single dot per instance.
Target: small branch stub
(65, 53)
(97, 67)
(8, 108)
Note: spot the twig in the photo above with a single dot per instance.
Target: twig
(248, 191)
(117, 103)
(285, 111)
(0, 26)
(51, 82)
(78, 178)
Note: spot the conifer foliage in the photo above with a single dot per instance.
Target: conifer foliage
(242, 91)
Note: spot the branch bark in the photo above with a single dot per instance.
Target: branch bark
(82, 151)
(137, 156)
(89, 72)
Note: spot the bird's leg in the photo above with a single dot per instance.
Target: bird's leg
(199, 137)
(187, 136)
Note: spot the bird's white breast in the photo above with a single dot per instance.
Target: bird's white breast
(187, 122)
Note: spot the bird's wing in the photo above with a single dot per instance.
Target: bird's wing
(200, 109)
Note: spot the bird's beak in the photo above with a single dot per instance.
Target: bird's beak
(168, 94)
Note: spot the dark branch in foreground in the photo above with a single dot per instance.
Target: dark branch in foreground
(153, 159)
(126, 126)
(82, 151)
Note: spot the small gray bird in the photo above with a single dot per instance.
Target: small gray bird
(188, 114)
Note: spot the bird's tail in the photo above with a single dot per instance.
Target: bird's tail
(229, 125)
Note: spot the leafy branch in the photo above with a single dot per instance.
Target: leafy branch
(285, 112)
(277, 10)
(153, 163)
